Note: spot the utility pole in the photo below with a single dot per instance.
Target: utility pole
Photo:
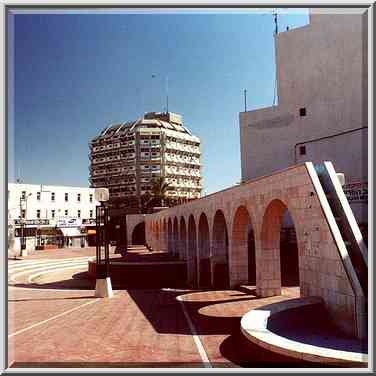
(245, 100)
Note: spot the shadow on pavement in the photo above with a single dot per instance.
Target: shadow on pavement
(237, 349)
(79, 281)
(166, 305)
(311, 325)
(167, 318)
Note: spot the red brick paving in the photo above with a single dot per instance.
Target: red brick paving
(135, 328)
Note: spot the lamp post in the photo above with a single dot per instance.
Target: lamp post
(22, 224)
(103, 288)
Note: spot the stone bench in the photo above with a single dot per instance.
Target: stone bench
(254, 326)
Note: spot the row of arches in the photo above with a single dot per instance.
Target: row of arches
(222, 252)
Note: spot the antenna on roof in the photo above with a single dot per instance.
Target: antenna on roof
(166, 88)
(167, 93)
(275, 14)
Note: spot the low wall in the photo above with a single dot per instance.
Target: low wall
(145, 275)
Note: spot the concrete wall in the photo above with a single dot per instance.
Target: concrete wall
(321, 67)
(260, 204)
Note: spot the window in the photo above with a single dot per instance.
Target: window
(66, 212)
(53, 213)
(78, 197)
(23, 213)
(78, 213)
(91, 214)
(66, 197)
(38, 196)
(91, 197)
(302, 150)
(53, 196)
(23, 195)
(38, 213)
(302, 111)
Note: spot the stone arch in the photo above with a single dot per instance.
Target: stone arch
(242, 249)
(183, 239)
(204, 275)
(268, 259)
(219, 252)
(175, 237)
(138, 234)
(169, 236)
(192, 252)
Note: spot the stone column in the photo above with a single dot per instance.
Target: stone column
(268, 272)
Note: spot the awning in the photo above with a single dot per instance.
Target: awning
(52, 231)
(71, 231)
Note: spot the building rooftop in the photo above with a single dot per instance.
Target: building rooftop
(165, 120)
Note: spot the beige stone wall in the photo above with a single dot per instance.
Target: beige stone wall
(321, 67)
(259, 204)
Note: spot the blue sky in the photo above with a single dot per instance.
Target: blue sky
(74, 74)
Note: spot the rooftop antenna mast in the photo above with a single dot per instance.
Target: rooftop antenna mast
(275, 16)
(167, 93)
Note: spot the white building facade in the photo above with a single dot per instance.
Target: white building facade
(42, 207)
(322, 104)
(35, 201)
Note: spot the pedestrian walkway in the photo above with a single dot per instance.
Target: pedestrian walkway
(54, 321)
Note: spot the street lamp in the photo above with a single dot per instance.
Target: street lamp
(22, 224)
(103, 288)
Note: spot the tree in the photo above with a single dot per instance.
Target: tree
(159, 188)
(157, 196)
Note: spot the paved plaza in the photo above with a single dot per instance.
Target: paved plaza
(55, 321)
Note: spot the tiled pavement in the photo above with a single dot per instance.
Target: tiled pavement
(136, 328)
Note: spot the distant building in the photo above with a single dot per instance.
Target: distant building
(126, 157)
(322, 104)
(48, 214)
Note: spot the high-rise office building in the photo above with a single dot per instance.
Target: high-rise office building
(126, 157)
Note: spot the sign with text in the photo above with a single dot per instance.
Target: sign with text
(68, 222)
(356, 192)
(32, 222)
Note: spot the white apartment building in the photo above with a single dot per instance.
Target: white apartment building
(57, 203)
(126, 157)
(35, 210)
(322, 104)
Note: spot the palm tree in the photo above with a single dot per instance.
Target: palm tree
(159, 188)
